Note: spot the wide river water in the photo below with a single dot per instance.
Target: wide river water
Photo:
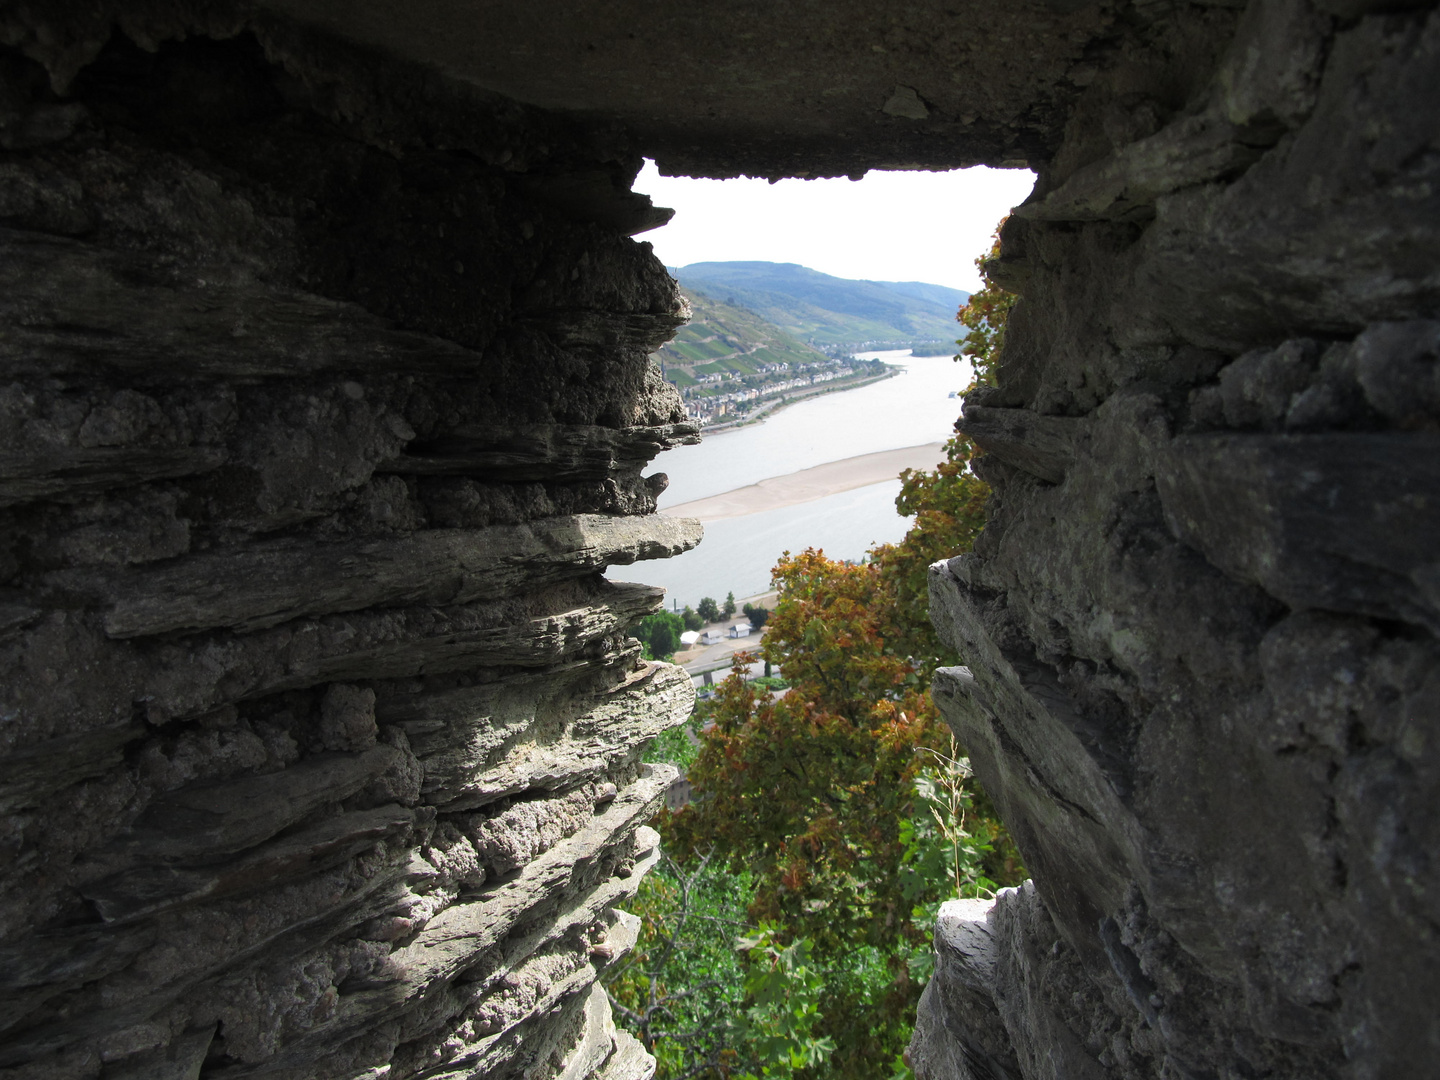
(909, 409)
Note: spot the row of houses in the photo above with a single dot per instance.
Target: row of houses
(711, 407)
(712, 636)
(714, 377)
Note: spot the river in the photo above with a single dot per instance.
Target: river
(909, 409)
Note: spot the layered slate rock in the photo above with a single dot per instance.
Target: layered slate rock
(806, 88)
(323, 736)
(325, 403)
(1199, 631)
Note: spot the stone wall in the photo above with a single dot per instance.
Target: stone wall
(1199, 630)
(325, 402)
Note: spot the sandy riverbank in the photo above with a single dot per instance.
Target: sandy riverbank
(807, 485)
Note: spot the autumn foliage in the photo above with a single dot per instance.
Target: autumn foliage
(816, 792)
(806, 790)
(842, 802)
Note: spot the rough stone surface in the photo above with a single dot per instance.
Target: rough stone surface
(324, 403)
(322, 735)
(804, 88)
(1200, 627)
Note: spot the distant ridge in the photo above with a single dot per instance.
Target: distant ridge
(727, 361)
(946, 297)
(829, 312)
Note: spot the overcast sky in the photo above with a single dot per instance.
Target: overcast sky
(890, 226)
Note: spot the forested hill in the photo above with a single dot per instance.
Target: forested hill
(829, 312)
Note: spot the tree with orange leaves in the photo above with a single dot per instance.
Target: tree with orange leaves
(807, 790)
(829, 795)
(843, 800)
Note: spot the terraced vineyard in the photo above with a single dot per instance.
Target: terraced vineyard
(729, 362)
(726, 339)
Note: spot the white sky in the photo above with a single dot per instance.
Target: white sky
(890, 226)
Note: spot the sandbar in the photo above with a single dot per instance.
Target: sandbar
(807, 485)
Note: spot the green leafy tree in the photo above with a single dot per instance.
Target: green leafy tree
(985, 317)
(845, 802)
(692, 618)
(681, 989)
(827, 796)
(729, 608)
(756, 615)
(708, 609)
(948, 507)
(659, 633)
(784, 990)
(707, 991)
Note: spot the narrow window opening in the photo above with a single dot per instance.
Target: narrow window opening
(822, 810)
(819, 359)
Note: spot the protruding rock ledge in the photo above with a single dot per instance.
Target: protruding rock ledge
(1004, 999)
(268, 584)
(1044, 446)
(541, 451)
(477, 745)
(68, 306)
(395, 644)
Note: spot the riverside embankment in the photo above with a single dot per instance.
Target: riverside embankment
(766, 408)
(763, 498)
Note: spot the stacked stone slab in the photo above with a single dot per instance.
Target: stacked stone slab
(325, 402)
(1202, 679)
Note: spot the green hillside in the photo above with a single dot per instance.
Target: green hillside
(835, 314)
(721, 337)
(730, 364)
